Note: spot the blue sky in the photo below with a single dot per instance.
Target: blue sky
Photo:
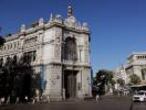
(118, 27)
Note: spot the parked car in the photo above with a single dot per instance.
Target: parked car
(140, 96)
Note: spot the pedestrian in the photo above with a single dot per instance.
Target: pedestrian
(2, 100)
(33, 100)
(26, 99)
(97, 97)
(17, 100)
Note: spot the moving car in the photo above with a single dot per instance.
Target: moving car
(140, 96)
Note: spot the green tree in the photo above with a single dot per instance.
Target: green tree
(121, 82)
(104, 78)
(5, 79)
(2, 41)
(134, 79)
(29, 80)
(24, 77)
(18, 79)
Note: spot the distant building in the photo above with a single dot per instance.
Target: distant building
(120, 73)
(60, 50)
(137, 65)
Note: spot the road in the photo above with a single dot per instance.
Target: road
(107, 103)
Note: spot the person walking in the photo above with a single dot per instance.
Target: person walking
(98, 97)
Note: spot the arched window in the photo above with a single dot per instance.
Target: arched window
(8, 61)
(14, 60)
(70, 49)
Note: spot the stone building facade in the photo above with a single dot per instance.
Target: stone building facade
(137, 65)
(61, 54)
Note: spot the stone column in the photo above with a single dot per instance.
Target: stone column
(53, 86)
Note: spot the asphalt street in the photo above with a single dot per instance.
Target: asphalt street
(106, 103)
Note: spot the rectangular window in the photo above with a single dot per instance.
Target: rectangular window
(32, 55)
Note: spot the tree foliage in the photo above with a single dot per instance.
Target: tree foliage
(17, 78)
(105, 75)
(121, 82)
(103, 78)
(134, 79)
(2, 41)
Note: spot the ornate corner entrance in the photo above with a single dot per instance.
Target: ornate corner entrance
(70, 83)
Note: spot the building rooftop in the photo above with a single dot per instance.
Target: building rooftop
(137, 53)
(69, 22)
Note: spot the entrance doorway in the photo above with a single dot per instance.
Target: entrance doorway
(70, 83)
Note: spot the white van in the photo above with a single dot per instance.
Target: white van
(140, 96)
